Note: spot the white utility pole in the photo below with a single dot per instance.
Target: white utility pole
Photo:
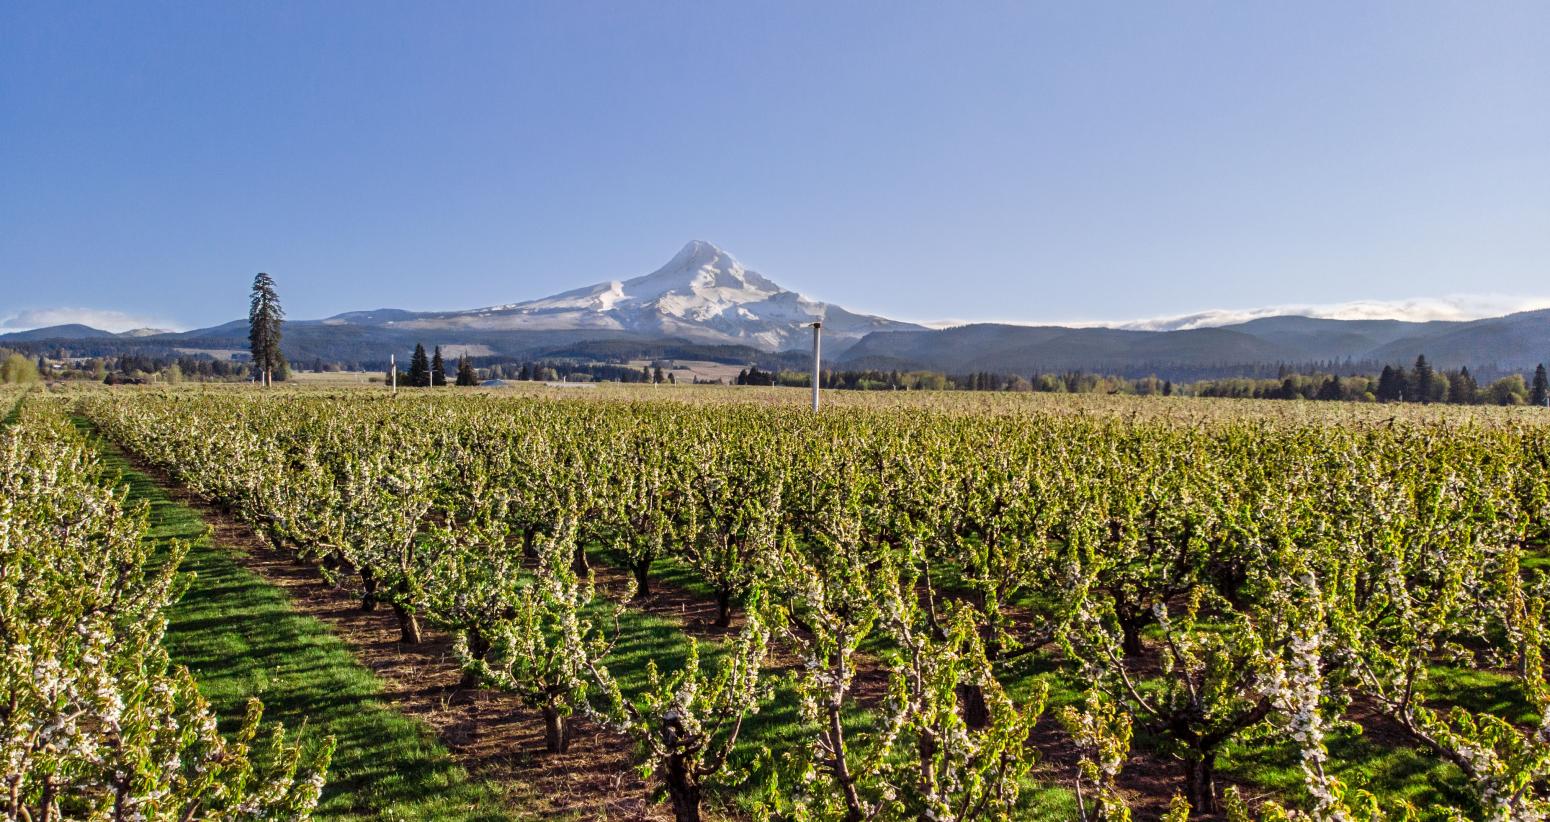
(393, 372)
(817, 335)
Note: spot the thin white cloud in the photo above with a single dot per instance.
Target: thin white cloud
(1458, 307)
(98, 318)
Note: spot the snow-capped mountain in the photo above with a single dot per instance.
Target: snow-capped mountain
(702, 294)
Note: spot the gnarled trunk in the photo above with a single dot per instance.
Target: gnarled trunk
(556, 730)
(478, 648)
(683, 787)
(369, 586)
(408, 625)
(1200, 783)
(723, 608)
(642, 571)
(971, 701)
(333, 565)
(1131, 621)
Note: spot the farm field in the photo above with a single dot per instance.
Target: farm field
(528, 602)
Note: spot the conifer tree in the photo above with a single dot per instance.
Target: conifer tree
(1540, 393)
(1462, 388)
(438, 369)
(1330, 390)
(465, 372)
(264, 319)
(1391, 384)
(419, 368)
(1421, 389)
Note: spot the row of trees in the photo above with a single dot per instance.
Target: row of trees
(95, 720)
(1425, 384)
(1395, 384)
(1210, 583)
(428, 372)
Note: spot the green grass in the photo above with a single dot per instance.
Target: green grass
(240, 637)
(15, 410)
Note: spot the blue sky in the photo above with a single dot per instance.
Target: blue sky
(989, 160)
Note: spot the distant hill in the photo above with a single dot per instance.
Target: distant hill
(704, 305)
(1516, 342)
(74, 331)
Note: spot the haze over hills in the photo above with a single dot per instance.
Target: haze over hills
(705, 304)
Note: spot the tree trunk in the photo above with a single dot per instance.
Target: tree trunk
(369, 585)
(528, 549)
(408, 625)
(925, 752)
(1131, 642)
(556, 730)
(579, 564)
(723, 608)
(478, 648)
(684, 789)
(642, 571)
(971, 699)
(1200, 783)
(333, 565)
(841, 767)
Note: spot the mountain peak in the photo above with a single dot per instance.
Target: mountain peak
(700, 250)
(702, 293)
(701, 270)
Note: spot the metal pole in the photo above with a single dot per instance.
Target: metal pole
(817, 335)
(393, 372)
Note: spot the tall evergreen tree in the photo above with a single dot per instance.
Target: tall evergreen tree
(1462, 388)
(465, 372)
(1421, 382)
(526, 373)
(1331, 389)
(1540, 393)
(656, 375)
(419, 368)
(264, 319)
(438, 369)
(1391, 385)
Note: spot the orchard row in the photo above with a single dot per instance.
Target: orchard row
(95, 721)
